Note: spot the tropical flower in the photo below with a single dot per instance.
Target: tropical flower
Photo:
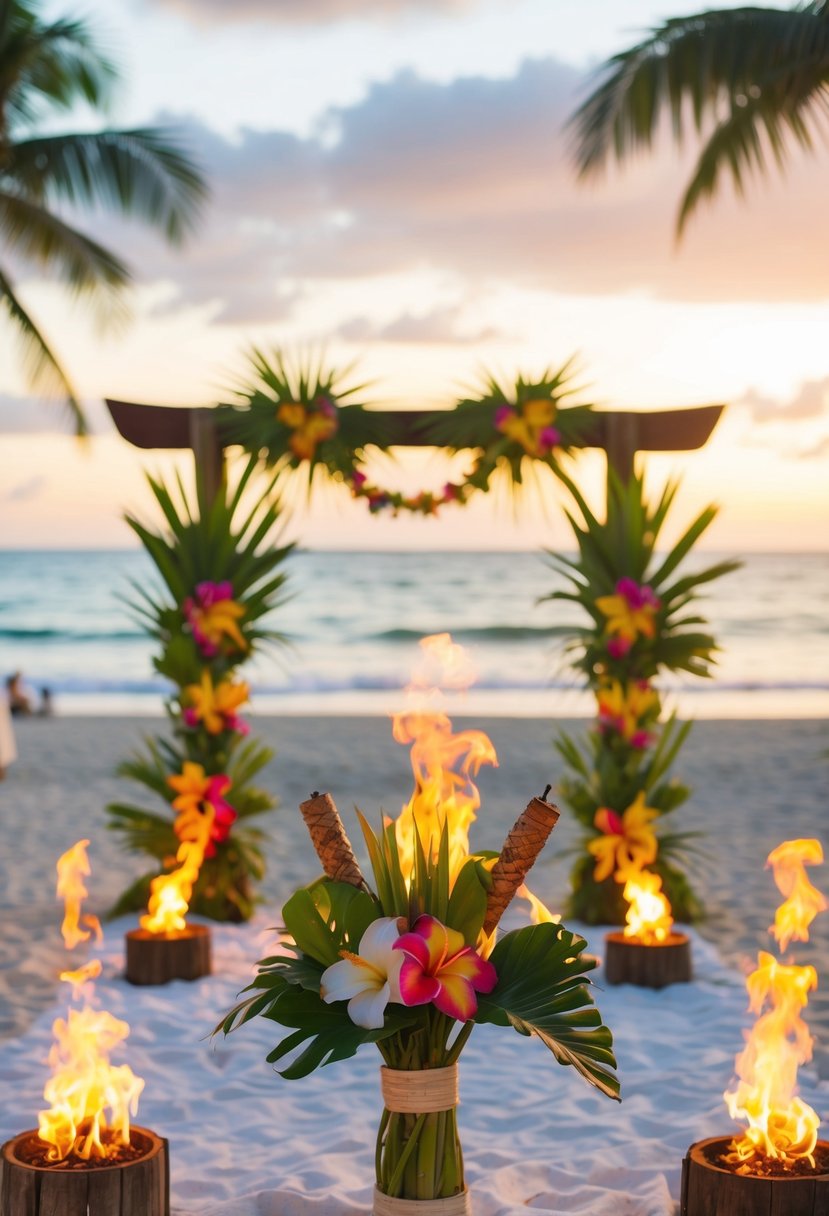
(198, 794)
(369, 979)
(311, 425)
(213, 615)
(630, 612)
(627, 842)
(215, 707)
(623, 709)
(440, 968)
(532, 427)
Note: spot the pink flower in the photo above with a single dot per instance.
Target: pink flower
(504, 413)
(617, 647)
(549, 438)
(440, 968)
(358, 479)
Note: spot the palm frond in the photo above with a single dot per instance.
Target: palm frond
(44, 370)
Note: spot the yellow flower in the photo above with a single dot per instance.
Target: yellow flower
(627, 843)
(212, 615)
(631, 611)
(622, 709)
(530, 425)
(539, 412)
(291, 414)
(214, 707)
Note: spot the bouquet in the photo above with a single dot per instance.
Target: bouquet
(412, 962)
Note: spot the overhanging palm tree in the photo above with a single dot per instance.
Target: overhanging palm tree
(46, 69)
(749, 82)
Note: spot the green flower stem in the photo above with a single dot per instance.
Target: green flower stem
(397, 1121)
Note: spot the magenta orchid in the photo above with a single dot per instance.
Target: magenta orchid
(439, 968)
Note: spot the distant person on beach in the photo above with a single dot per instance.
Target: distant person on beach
(8, 751)
(46, 707)
(19, 701)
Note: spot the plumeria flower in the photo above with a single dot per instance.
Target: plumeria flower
(440, 968)
(630, 612)
(198, 794)
(627, 841)
(309, 425)
(369, 979)
(215, 707)
(213, 616)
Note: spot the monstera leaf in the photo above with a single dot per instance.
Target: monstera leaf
(542, 990)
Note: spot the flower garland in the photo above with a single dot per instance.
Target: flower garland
(618, 782)
(206, 618)
(301, 417)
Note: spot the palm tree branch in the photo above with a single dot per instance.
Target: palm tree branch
(703, 60)
(45, 240)
(44, 368)
(143, 173)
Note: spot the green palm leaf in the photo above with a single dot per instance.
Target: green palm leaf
(748, 80)
(542, 990)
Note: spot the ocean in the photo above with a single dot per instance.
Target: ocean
(353, 621)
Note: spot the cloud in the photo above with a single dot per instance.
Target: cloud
(472, 179)
(439, 326)
(810, 401)
(309, 12)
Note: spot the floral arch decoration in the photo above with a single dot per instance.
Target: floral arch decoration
(306, 417)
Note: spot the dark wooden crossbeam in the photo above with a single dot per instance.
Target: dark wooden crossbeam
(620, 433)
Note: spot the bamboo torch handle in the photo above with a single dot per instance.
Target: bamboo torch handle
(330, 841)
(524, 842)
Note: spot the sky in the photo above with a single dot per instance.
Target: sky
(392, 184)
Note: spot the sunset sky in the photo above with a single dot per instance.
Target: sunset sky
(391, 183)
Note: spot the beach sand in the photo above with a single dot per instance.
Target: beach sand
(244, 1142)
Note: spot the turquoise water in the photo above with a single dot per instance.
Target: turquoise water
(354, 619)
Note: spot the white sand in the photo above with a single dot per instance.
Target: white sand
(244, 1142)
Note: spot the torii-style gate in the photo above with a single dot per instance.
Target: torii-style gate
(619, 433)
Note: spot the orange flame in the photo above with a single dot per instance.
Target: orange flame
(84, 1086)
(648, 918)
(444, 764)
(780, 1125)
(170, 893)
(788, 862)
(540, 914)
(73, 868)
(81, 976)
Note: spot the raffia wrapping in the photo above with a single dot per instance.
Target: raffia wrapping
(525, 841)
(454, 1205)
(330, 841)
(419, 1091)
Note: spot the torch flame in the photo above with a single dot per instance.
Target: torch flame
(170, 893)
(648, 917)
(84, 1086)
(444, 765)
(540, 914)
(780, 1125)
(788, 862)
(73, 868)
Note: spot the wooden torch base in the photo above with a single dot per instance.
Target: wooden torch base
(629, 962)
(157, 958)
(135, 1188)
(710, 1190)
